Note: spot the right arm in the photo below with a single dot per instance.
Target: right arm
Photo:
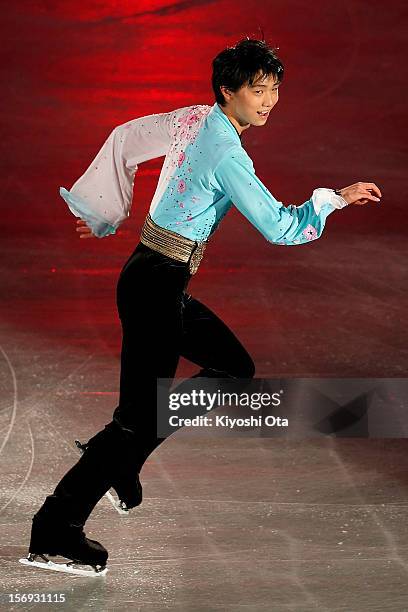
(102, 196)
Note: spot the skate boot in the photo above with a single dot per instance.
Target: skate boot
(58, 536)
(114, 449)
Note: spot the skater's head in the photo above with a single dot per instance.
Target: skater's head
(245, 80)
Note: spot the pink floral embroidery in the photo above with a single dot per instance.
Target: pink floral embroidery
(181, 158)
(191, 116)
(189, 218)
(310, 232)
(181, 205)
(189, 123)
(192, 119)
(181, 187)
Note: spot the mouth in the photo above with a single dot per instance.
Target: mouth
(263, 114)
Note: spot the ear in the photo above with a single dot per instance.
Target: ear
(226, 92)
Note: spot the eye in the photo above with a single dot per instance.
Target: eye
(261, 90)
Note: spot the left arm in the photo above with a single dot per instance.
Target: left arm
(279, 224)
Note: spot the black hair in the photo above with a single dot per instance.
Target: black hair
(238, 65)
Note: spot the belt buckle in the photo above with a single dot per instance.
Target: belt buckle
(196, 257)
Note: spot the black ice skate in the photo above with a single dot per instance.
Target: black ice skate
(52, 538)
(118, 504)
(125, 479)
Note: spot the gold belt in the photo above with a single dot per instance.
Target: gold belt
(173, 245)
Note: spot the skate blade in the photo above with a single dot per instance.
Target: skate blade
(68, 568)
(119, 506)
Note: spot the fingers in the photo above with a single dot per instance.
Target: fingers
(371, 197)
(363, 191)
(375, 189)
(83, 229)
(365, 199)
(371, 187)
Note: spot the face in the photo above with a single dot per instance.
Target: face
(252, 104)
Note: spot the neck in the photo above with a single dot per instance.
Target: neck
(228, 112)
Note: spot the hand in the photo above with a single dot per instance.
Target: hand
(360, 193)
(85, 231)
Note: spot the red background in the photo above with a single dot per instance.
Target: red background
(73, 71)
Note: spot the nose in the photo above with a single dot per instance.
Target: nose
(272, 99)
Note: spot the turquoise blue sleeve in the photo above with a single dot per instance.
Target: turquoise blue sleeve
(287, 225)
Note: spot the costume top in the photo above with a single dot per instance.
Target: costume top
(206, 170)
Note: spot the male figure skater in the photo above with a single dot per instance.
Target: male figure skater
(205, 172)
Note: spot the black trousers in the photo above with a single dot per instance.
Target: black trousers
(160, 322)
